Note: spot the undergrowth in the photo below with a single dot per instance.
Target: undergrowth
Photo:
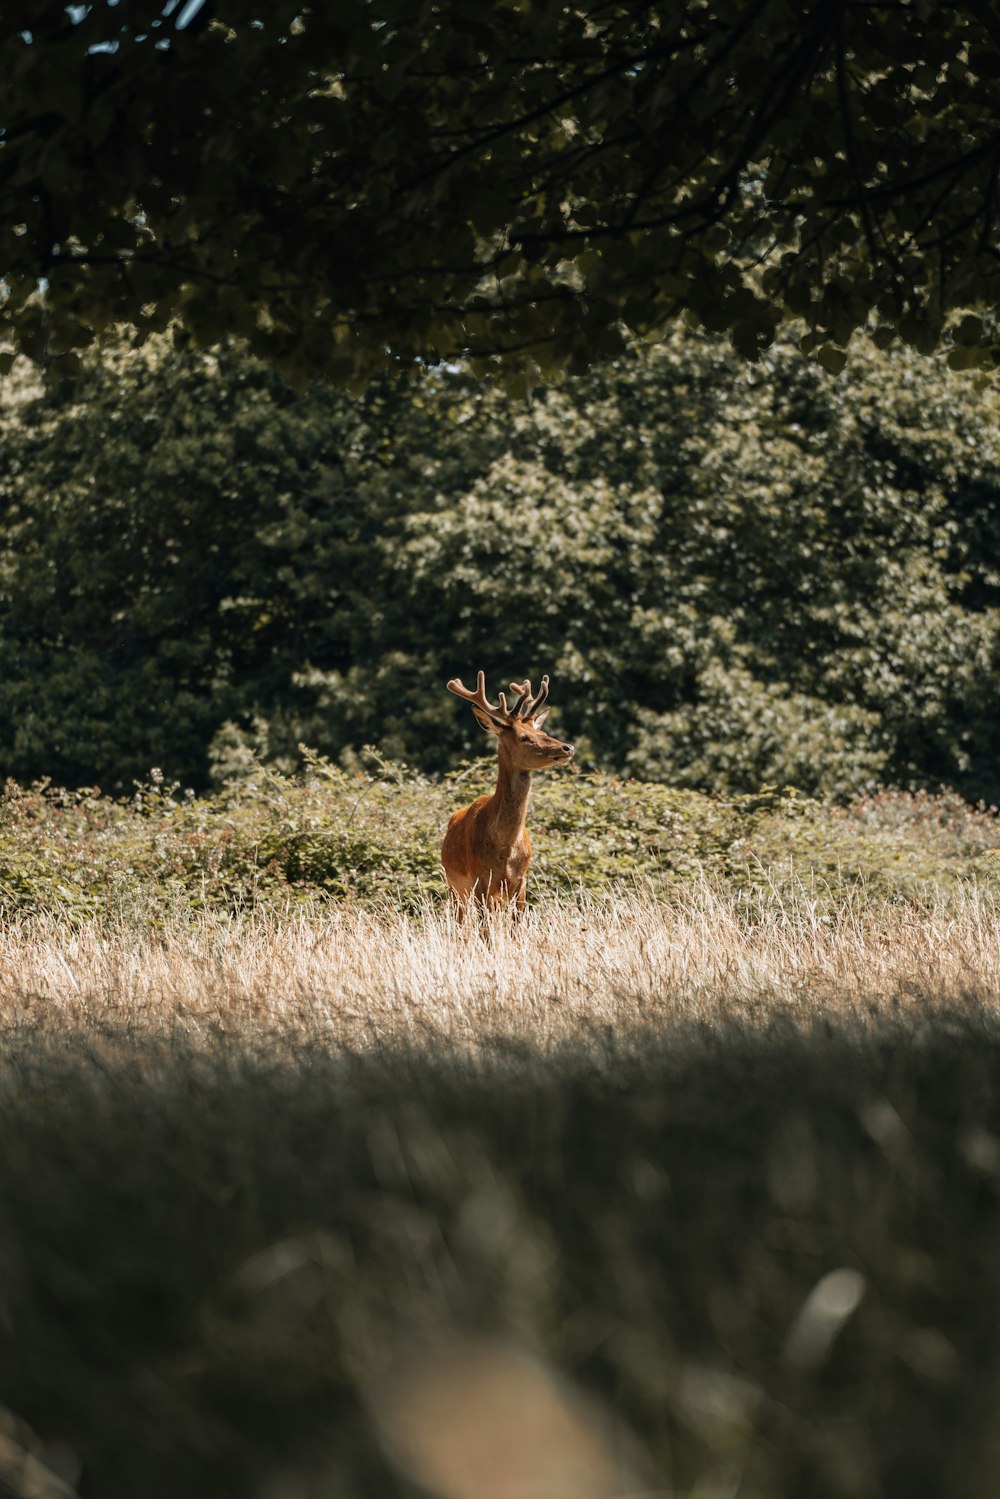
(280, 842)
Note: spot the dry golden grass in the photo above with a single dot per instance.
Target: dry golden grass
(363, 978)
(689, 1198)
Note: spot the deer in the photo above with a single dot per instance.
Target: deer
(486, 850)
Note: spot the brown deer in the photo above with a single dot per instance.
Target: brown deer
(486, 850)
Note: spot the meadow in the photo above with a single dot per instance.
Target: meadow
(687, 1185)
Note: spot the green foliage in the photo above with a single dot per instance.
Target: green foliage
(740, 731)
(287, 842)
(270, 839)
(786, 579)
(174, 549)
(524, 183)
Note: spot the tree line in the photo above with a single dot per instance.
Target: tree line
(733, 577)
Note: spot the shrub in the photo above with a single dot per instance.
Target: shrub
(282, 841)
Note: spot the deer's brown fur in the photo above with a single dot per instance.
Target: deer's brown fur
(487, 850)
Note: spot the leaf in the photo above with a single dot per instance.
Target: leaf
(832, 359)
(969, 331)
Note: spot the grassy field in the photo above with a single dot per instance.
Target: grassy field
(689, 1185)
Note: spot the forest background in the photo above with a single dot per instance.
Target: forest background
(735, 576)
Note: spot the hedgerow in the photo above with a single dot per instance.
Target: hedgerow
(281, 841)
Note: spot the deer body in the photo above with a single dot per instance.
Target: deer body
(487, 850)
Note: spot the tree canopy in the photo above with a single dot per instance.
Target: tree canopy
(527, 183)
(732, 580)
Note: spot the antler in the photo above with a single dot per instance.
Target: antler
(526, 705)
(479, 698)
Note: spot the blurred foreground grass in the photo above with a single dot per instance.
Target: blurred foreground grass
(745, 1260)
(695, 1195)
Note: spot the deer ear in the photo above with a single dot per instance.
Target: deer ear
(542, 717)
(485, 721)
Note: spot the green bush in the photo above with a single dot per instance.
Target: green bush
(372, 837)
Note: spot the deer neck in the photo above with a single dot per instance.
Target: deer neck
(510, 804)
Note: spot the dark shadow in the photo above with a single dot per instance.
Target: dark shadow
(208, 1260)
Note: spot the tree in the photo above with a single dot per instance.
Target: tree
(172, 548)
(526, 183)
(731, 580)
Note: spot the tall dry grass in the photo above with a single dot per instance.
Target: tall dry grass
(691, 1198)
(365, 978)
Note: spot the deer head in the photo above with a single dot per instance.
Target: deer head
(521, 741)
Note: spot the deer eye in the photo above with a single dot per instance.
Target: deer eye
(523, 738)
